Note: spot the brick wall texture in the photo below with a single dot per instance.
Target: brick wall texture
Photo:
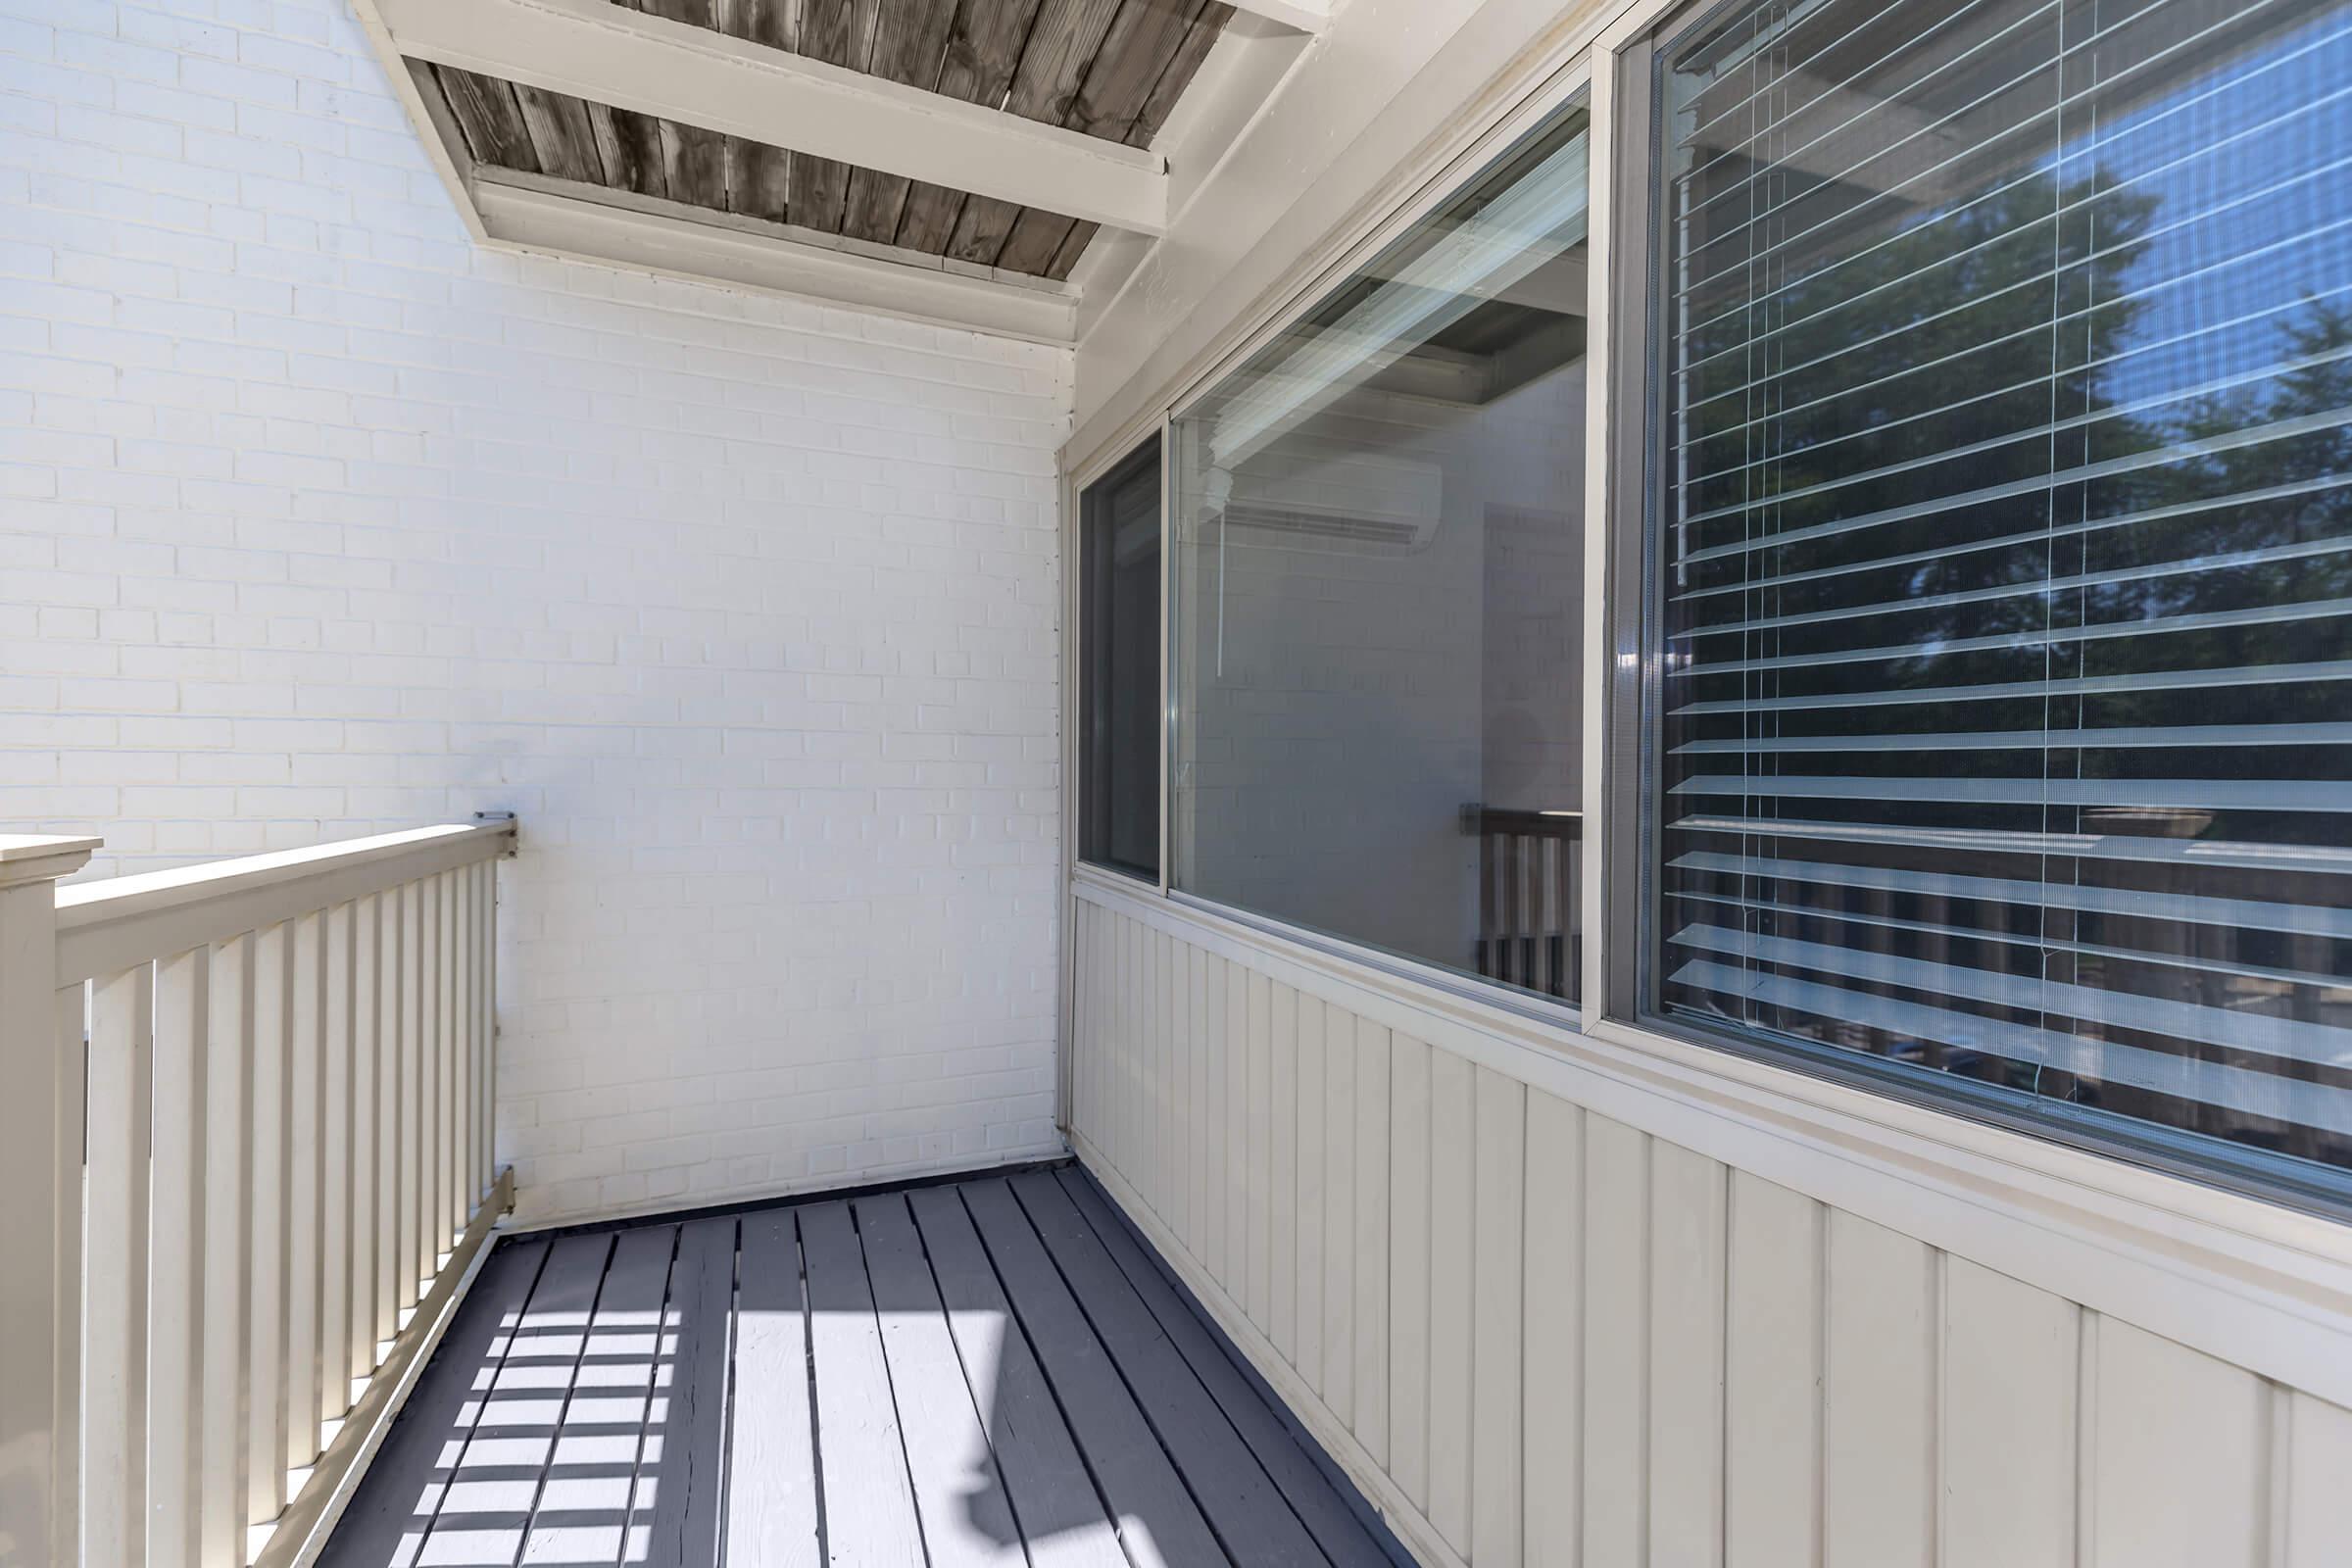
(317, 519)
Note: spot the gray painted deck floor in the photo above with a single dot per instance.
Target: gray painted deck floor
(994, 1371)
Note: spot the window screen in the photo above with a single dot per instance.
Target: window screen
(2001, 552)
(1118, 635)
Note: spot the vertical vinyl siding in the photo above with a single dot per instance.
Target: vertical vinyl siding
(1539, 1336)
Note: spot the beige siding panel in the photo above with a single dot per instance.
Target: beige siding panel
(1452, 1236)
(1217, 1179)
(1282, 1173)
(1375, 1087)
(1307, 1353)
(2318, 1484)
(1197, 1020)
(1688, 1196)
(1408, 1266)
(1184, 1149)
(1258, 1174)
(1879, 1421)
(2009, 1436)
(1562, 1342)
(1553, 1478)
(1494, 1449)
(1338, 1380)
(1236, 1273)
(1772, 1392)
(2178, 1470)
(1616, 1202)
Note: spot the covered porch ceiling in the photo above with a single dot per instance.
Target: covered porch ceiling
(966, 162)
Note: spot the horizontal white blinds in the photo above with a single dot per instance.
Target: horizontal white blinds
(2003, 559)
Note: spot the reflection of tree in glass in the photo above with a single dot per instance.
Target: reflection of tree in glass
(1979, 350)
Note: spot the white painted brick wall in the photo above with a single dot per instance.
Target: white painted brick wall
(315, 521)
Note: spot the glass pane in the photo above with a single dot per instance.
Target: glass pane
(1379, 585)
(1118, 748)
(2004, 721)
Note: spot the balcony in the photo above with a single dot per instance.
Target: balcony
(1476, 782)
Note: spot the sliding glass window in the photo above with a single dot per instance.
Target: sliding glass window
(1999, 585)
(1118, 667)
(1378, 581)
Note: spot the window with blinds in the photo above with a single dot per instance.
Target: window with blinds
(2001, 553)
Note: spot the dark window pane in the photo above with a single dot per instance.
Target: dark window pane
(1379, 588)
(1118, 752)
(2003, 551)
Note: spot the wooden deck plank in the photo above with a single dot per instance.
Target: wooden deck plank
(688, 1468)
(583, 1502)
(1310, 1495)
(996, 1372)
(869, 1499)
(1053, 1498)
(1240, 1501)
(773, 1499)
(387, 1520)
(958, 1489)
(494, 1481)
(1158, 1520)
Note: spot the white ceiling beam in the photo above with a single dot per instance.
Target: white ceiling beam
(560, 218)
(1307, 16)
(651, 64)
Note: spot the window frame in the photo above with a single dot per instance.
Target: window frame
(1606, 49)
(1626, 63)
(1151, 452)
(1558, 83)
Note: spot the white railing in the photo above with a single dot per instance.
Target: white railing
(245, 1156)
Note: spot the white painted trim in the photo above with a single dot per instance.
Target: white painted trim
(1307, 15)
(1191, 304)
(105, 927)
(694, 75)
(2255, 1283)
(780, 1191)
(537, 214)
(446, 153)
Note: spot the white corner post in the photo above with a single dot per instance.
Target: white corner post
(40, 1206)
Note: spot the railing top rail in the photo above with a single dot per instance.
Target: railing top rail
(105, 927)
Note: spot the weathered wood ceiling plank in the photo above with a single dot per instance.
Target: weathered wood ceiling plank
(487, 111)
(1063, 42)
(839, 32)
(1111, 70)
(983, 50)
(1142, 39)
(562, 136)
(1181, 68)
(694, 161)
(911, 43)
(760, 176)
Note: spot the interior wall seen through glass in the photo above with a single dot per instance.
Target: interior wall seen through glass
(2004, 552)
(1379, 590)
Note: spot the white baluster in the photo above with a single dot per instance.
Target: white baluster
(336, 1158)
(176, 1280)
(113, 1502)
(272, 1135)
(223, 1450)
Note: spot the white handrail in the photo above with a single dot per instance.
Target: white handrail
(245, 1155)
(106, 926)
